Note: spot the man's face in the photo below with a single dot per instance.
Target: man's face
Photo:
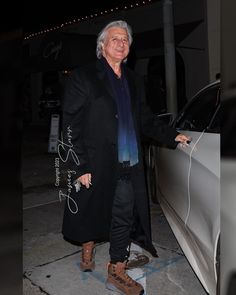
(116, 44)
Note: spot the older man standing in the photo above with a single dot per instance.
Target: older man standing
(104, 108)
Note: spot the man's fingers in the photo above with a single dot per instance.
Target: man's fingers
(183, 139)
(85, 180)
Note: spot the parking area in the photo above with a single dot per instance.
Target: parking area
(51, 263)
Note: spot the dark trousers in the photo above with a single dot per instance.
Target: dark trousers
(122, 220)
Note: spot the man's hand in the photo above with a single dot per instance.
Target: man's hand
(85, 179)
(183, 139)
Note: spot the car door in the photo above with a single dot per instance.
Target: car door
(173, 165)
(188, 182)
(172, 174)
(178, 168)
(201, 120)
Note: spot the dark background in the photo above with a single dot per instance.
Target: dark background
(44, 14)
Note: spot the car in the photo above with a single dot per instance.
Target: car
(186, 184)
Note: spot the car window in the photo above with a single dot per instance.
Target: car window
(201, 112)
(214, 126)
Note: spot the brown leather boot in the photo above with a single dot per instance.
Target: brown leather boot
(119, 281)
(87, 260)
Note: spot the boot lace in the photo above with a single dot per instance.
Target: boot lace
(87, 253)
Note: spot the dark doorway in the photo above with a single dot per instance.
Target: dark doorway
(156, 84)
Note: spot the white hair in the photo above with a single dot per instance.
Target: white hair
(103, 34)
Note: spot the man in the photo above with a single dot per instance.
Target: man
(104, 114)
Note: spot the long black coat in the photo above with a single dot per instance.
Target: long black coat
(90, 124)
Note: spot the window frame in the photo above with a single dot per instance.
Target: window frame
(207, 129)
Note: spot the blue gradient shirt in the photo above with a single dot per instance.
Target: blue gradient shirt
(127, 142)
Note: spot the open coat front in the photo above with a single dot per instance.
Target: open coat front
(90, 135)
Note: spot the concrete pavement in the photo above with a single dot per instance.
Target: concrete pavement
(50, 264)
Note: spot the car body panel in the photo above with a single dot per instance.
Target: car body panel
(172, 183)
(189, 194)
(190, 207)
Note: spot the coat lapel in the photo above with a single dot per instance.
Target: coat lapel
(103, 77)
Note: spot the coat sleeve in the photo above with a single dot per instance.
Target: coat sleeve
(152, 126)
(72, 149)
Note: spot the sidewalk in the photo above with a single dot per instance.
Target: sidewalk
(51, 263)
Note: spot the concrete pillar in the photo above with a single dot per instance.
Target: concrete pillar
(169, 49)
(213, 28)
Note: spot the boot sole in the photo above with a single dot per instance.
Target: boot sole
(111, 287)
(139, 261)
(87, 268)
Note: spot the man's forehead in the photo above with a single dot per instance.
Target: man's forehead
(117, 31)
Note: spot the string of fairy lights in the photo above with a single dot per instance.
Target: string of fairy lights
(87, 17)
